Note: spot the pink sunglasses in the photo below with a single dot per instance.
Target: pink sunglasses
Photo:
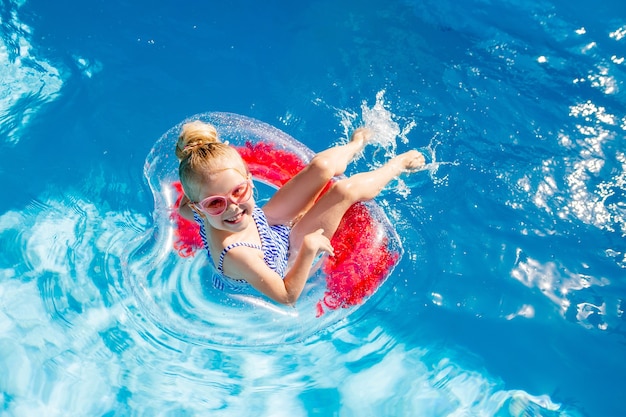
(216, 204)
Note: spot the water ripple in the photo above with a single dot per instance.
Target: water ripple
(28, 82)
(71, 335)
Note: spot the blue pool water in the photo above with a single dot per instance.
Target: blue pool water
(510, 296)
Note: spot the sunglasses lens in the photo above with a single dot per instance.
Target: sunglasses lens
(242, 193)
(214, 206)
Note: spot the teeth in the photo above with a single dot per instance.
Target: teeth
(235, 217)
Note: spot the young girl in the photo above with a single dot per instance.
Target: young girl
(272, 248)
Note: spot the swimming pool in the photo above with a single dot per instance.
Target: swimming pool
(509, 298)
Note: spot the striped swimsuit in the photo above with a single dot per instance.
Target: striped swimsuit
(274, 245)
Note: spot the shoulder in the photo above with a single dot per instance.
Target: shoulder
(241, 261)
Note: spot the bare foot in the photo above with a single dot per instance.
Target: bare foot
(361, 136)
(413, 160)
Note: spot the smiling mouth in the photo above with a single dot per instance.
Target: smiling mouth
(236, 217)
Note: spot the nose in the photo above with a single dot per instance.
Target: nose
(231, 204)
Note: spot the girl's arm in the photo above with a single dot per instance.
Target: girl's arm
(240, 265)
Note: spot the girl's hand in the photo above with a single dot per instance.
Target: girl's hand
(285, 291)
(317, 242)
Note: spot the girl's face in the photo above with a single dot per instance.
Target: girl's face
(226, 186)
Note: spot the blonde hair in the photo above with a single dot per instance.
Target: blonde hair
(200, 151)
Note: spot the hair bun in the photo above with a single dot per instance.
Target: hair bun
(195, 135)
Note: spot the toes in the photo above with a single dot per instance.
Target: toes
(414, 160)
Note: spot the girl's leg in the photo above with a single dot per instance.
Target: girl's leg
(299, 194)
(329, 210)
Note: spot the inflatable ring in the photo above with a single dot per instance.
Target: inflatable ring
(178, 296)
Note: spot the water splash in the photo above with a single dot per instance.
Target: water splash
(389, 132)
(384, 128)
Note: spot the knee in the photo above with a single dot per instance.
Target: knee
(322, 166)
(345, 190)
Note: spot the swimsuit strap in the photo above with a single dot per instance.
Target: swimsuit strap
(220, 266)
(275, 242)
